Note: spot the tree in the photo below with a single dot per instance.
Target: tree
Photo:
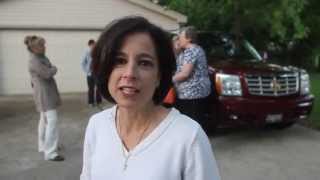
(280, 19)
(287, 24)
(311, 17)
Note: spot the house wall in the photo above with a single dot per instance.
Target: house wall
(66, 25)
(73, 13)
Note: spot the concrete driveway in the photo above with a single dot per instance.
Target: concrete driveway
(292, 154)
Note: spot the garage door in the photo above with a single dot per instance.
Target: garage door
(64, 49)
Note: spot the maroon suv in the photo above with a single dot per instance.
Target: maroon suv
(248, 89)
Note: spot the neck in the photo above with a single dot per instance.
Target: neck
(135, 120)
(133, 125)
(189, 45)
(37, 54)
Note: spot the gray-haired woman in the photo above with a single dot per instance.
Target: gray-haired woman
(46, 97)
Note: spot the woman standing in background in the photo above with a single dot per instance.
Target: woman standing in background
(46, 97)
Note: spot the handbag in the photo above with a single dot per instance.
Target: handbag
(170, 97)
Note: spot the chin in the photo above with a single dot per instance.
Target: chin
(132, 104)
(127, 102)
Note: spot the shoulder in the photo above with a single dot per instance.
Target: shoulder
(34, 61)
(186, 134)
(87, 52)
(184, 121)
(33, 58)
(190, 132)
(189, 50)
(39, 59)
(193, 50)
(100, 118)
(184, 127)
(197, 49)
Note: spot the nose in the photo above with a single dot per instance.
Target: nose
(130, 71)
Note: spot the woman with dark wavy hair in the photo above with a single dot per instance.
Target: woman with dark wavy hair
(138, 138)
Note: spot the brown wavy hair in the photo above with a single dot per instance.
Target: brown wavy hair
(110, 42)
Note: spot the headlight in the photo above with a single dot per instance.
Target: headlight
(304, 83)
(228, 85)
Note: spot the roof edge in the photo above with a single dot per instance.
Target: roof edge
(46, 27)
(180, 18)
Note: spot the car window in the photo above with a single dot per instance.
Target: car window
(219, 46)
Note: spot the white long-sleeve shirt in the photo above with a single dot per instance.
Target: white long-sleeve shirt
(177, 149)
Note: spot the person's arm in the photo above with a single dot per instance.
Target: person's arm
(189, 58)
(84, 62)
(201, 163)
(87, 152)
(211, 69)
(184, 74)
(42, 70)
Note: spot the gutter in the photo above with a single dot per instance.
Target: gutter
(180, 18)
(50, 27)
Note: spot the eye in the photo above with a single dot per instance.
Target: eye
(120, 61)
(145, 63)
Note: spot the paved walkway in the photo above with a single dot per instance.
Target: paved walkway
(291, 154)
(19, 158)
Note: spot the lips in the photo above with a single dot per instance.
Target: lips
(128, 90)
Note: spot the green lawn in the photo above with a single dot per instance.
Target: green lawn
(315, 88)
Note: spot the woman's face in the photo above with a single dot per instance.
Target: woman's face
(135, 75)
(176, 46)
(39, 48)
(183, 40)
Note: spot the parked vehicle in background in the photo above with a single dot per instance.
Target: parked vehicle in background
(248, 90)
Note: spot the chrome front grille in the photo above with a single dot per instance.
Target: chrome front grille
(273, 84)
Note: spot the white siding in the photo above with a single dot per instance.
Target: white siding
(73, 13)
(64, 49)
(66, 25)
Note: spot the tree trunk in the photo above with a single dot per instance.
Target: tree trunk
(237, 23)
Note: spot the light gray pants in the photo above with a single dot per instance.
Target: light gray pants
(48, 134)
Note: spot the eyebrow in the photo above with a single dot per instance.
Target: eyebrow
(146, 55)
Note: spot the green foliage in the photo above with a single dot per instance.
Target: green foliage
(315, 88)
(280, 19)
(311, 16)
(293, 26)
(203, 14)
